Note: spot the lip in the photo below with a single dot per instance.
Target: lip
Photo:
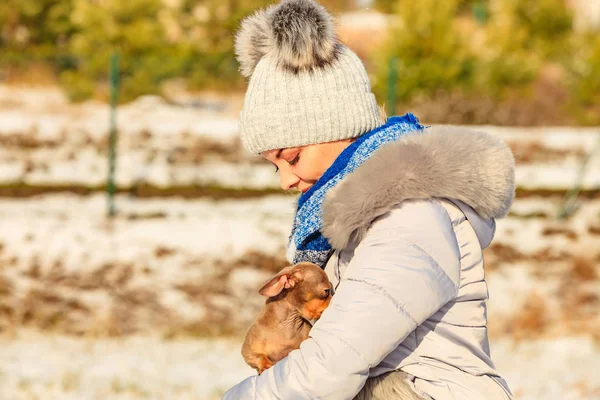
(305, 190)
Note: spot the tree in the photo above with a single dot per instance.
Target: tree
(431, 56)
(541, 26)
(41, 27)
(130, 28)
(157, 40)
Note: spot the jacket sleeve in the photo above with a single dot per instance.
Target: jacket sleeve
(404, 270)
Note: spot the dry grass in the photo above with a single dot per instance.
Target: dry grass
(199, 149)
(63, 308)
(578, 298)
(594, 229)
(555, 194)
(217, 323)
(530, 215)
(499, 253)
(583, 269)
(550, 254)
(130, 311)
(544, 107)
(146, 216)
(202, 292)
(560, 230)
(137, 310)
(162, 252)
(262, 261)
(506, 253)
(536, 152)
(6, 287)
(29, 141)
(36, 74)
(571, 308)
(144, 190)
(106, 277)
(65, 301)
(531, 320)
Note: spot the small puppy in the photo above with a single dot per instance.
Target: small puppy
(296, 295)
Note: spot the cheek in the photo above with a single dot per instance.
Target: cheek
(315, 307)
(310, 169)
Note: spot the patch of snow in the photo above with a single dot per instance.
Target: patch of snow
(57, 367)
(564, 368)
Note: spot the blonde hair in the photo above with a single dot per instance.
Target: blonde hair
(382, 114)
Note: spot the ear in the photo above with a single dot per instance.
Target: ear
(283, 280)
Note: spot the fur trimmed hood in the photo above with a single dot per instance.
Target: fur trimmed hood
(449, 162)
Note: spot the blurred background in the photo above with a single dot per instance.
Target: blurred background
(135, 230)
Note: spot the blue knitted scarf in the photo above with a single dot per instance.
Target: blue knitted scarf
(306, 242)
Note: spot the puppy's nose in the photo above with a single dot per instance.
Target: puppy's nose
(327, 292)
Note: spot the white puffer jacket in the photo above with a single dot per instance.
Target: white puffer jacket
(408, 228)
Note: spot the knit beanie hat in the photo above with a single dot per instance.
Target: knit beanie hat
(305, 86)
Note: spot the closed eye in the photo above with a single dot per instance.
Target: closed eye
(295, 160)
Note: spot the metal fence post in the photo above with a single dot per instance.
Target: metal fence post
(112, 140)
(568, 206)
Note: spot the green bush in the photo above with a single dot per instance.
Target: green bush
(34, 31)
(583, 78)
(76, 86)
(35, 22)
(542, 26)
(212, 63)
(386, 6)
(129, 28)
(389, 6)
(191, 39)
(431, 55)
(503, 56)
(441, 51)
(520, 37)
(505, 61)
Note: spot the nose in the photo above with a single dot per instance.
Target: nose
(287, 179)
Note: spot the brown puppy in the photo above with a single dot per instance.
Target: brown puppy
(296, 295)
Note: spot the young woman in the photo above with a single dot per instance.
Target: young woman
(396, 214)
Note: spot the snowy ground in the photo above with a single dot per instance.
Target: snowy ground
(173, 275)
(177, 263)
(49, 367)
(44, 141)
(153, 304)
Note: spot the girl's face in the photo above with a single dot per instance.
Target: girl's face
(301, 167)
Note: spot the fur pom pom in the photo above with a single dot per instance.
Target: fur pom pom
(304, 34)
(299, 33)
(254, 40)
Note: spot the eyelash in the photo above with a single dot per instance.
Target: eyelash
(293, 162)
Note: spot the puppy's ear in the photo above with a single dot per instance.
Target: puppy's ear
(283, 280)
